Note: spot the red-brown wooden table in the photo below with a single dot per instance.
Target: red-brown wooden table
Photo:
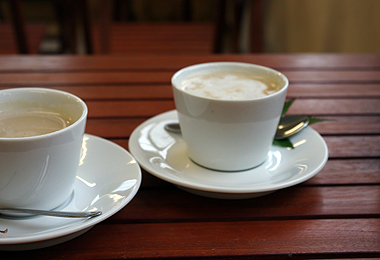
(334, 215)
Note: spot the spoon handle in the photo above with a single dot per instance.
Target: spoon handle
(53, 213)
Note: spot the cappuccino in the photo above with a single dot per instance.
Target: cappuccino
(25, 123)
(230, 85)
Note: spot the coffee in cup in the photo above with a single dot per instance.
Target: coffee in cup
(230, 85)
(29, 122)
(41, 135)
(228, 112)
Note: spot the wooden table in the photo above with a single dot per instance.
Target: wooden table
(334, 215)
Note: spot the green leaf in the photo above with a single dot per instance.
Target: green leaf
(286, 142)
(283, 143)
(313, 120)
(286, 106)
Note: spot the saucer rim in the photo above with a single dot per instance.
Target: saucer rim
(80, 226)
(171, 115)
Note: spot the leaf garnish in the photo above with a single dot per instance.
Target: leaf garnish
(287, 104)
(313, 120)
(286, 143)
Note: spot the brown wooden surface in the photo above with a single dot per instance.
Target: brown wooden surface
(334, 215)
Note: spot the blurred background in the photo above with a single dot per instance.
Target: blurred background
(189, 26)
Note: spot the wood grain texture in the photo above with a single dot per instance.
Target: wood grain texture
(334, 215)
(173, 62)
(265, 239)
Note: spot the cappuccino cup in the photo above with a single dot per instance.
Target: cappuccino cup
(41, 135)
(228, 112)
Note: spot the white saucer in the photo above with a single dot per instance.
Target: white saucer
(107, 180)
(163, 154)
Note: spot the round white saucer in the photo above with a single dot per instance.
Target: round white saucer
(163, 154)
(108, 178)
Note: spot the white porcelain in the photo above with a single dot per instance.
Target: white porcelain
(108, 178)
(38, 172)
(228, 135)
(163, 154)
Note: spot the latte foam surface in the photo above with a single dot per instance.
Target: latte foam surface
(231, 85)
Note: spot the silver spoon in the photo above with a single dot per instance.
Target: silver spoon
(288, 126)
(52, 213)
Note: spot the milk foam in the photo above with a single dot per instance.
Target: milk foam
(230, 85)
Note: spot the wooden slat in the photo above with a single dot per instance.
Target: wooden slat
(358, 106)
(122, 126)
(164, 90)
(290, 203)
(353, 146)
(130, 77)
(266, 239)
(128, 108)
(84, 78)
(333, 76)
(336, 172)
(299, 90)
(351, 172)
(339, 147)
(174, 62)
(348, 125)
(326, 107)
(113, 92)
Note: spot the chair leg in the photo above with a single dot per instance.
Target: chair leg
(66, 13)
(256, 27)
(220, 26)
(237, 25)
(83, 9)
(105, 24)
(19, 26)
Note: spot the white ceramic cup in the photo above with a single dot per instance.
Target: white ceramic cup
(38, 172)
(228, 135)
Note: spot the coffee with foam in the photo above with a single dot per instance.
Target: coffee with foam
(230, 85)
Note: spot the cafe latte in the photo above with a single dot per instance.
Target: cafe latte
(230, 85)
(25, 123)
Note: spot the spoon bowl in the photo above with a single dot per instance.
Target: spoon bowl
(290, 125)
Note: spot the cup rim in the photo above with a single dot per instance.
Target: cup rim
(225, 64)
(36, 137)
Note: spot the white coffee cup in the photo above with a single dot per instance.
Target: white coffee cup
(228, 135)
(39, 171)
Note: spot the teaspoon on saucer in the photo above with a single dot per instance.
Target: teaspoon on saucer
(52, 213)
(288, 126)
